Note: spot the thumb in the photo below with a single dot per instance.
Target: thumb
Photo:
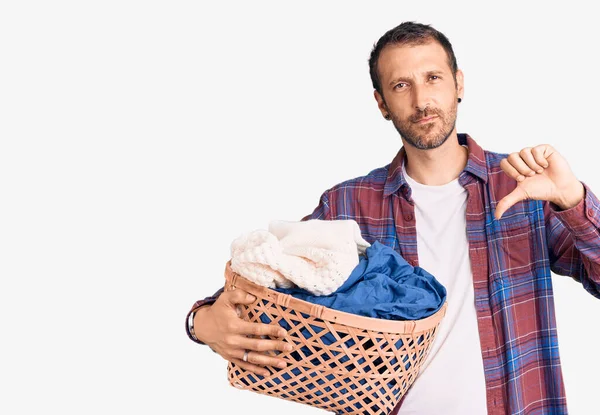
(239, 296)
(510, 199)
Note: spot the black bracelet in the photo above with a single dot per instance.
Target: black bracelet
(191, 324)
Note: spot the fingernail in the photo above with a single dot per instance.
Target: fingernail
(532, 173)
(250, 297)
(282, 333)
(282, 365)
(288, 348)
(540, 171)
(521, 178)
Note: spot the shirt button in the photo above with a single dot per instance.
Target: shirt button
(408, 217)
(590, 212)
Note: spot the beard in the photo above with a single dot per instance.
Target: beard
(429, 135)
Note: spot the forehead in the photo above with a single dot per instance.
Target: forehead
(410, 60)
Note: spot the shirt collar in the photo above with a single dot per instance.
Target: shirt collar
(476, 166)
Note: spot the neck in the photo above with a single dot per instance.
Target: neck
(437, 166)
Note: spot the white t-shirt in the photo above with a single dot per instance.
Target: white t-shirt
(451, 381)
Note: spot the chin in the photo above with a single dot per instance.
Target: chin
(428, 143)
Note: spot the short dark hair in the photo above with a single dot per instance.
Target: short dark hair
(409, 33)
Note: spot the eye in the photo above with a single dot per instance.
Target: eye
(433, 77)
(401, 85)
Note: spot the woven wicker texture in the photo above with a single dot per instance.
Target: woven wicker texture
(341, 362)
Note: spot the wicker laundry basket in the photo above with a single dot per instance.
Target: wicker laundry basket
(366, 369)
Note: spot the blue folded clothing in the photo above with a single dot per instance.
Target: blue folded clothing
(383, 285)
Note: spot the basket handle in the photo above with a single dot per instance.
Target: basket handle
(280, 299)
(234, 280)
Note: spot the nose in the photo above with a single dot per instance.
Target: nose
(421, 99)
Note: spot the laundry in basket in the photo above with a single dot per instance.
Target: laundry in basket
(356, 350)
(315, 255)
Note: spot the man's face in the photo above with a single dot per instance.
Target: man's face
(419, 92)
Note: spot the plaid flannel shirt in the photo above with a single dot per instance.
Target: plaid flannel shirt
(511, 258)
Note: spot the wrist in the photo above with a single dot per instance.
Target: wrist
(196, 323)
(571, 197)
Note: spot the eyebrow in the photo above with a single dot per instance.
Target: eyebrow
(399, 79)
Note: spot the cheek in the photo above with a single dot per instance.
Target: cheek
(403, 114)
(449, 97)
(401, 111)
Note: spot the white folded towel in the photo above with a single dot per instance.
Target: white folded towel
(316, 255)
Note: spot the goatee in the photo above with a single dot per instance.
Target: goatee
(422, 136)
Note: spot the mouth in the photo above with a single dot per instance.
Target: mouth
(425, 120)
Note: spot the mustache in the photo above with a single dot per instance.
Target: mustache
(426, 113)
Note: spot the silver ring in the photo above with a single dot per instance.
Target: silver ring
(245, 358)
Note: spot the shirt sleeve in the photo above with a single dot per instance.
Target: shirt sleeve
(574, 241)
(322, 211)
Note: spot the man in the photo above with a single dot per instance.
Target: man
(489, 227)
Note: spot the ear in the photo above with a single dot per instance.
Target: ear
(460, 83)
(381, 103)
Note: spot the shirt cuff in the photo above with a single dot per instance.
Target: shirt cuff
(583, 218)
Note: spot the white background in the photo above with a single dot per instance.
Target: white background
(139, 138)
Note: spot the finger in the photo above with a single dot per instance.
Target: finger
(510, 199)
(528, 158)
(251, 367)
(263, 345)
(239, 296)
(518, 163)
(539, 154)
(260, 329)
(511, 171)
(262, 359)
